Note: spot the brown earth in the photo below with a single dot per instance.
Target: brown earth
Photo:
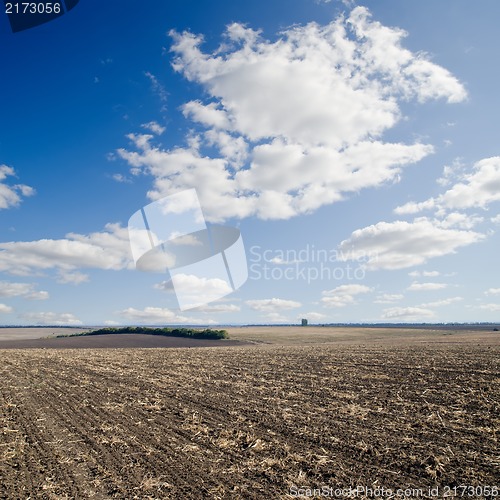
(249, 422)
(113, 341)
(20, 333)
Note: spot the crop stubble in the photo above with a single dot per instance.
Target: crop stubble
(246, 422)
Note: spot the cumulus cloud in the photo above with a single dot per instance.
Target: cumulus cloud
(50, 318)
(108, 249)
(26, 290)
(343, 295)
(272, 305)
(404, 314)
(400, 244)
(297, 123)
(492, 291)
(11, 195)
(158, 315)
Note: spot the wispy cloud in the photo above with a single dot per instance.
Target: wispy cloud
(158, 89)
(404, 314)
(425, 287)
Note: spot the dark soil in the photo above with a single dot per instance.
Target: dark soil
(247, 422)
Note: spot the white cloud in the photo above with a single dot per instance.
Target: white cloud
(26, 290)
(387, 298)
(218, 308)
(476, 188)
(492, 291)
(10, 196)
(459, 220)
(210, 114)
(108, 249)
(298, 123)
(158, 89)
(272, 305)
(157, 315)
(274, 317)
(154, 127)
(121, 178)
(496, 219)
(343, 295)
(279, 261)
(314, 317)
(72, 277)
(404, 314)
(5, 309)
(50, 318)
(193, 291)
(400, 244)
(489, 307)
(424, 287)
(9, 289)
(37, 295)
(441, 303)
(428, 274)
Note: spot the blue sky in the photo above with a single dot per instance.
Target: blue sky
(354, 145)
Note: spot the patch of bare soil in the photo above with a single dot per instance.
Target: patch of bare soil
(246, 422)
(115, 341)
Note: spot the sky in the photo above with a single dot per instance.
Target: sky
(352, 146)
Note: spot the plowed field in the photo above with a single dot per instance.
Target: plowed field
(247, 422)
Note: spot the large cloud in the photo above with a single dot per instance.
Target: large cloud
(107, 249)
(400, 244)
(297, 122)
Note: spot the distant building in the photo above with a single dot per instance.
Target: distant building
(304, 322)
